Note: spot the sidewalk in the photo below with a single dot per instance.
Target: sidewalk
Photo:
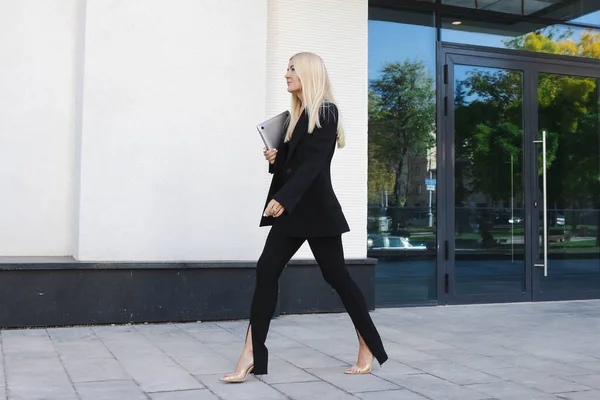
(538, 351)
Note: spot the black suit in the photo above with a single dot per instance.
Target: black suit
(302, 181)
(302, 184)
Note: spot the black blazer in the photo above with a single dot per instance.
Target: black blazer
(302, 180)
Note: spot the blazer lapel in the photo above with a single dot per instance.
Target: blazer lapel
(300, 128)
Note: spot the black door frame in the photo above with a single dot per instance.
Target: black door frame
(531, 64)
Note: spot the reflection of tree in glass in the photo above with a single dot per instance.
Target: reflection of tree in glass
(488, 129)
(488, 112)
(401, 126)
(568, 106)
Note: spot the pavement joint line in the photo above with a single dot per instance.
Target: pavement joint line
(177, 326)
(335, 358)
(272, 387)
(62, 363)
(303, 369)
(525, 351)
(4, 368)
(116, 359)
(174, 360)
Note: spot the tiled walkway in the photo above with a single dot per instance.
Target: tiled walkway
(538, 351)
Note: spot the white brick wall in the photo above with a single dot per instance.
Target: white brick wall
(337, 31)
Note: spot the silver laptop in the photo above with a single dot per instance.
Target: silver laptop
(272, 129)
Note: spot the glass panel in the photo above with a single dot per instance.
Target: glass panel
(568, 111)
(557, 39)
(561, 10)
(489, 194)
(402, 157)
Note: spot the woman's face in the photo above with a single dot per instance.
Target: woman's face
(293, 80)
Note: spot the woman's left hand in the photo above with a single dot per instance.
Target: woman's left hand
(270, 155)
(274, 209)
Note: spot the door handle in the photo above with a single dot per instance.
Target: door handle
(544, 204)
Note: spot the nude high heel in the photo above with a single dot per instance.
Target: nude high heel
(361, 371)
(238, 378)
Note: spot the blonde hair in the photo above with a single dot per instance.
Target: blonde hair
(316, 92)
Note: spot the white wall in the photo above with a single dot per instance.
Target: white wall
(336, 30)
(127, 126)
(38, 64)
(171, 164)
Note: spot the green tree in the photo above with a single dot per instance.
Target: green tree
(401, 124)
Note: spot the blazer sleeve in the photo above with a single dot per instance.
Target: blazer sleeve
(320, 144)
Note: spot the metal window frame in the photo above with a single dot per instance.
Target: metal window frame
(443, 11)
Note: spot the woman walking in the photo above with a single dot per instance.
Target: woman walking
(302, 206)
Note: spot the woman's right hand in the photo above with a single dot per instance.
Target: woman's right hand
(270, 155)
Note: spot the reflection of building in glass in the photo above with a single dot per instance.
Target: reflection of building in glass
(489, 204)
(423, 168)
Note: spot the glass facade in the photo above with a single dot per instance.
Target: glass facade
(462, 207)
(560, 40)
(402, 157)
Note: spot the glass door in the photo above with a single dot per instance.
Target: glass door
(486, 191)
(519, 209)
(568, 192)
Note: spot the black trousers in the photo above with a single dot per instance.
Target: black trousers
(329, 254)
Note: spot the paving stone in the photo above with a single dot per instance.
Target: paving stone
(390, 395)
(27, 346)
(250, 390)
(392, 369)
(511, 391)
(93, 369)
(203, 394)
(419, 342)
(592, 381)
(590, 366)
(161, 376)
(205, 363)
(545, 365)
(307, 358)
(352, 383)
(405, 354)
(472, 360)
(435, 388)
(284, 372)
(561, 355)
(198, 326)
(110, 390)
(587, 395)
(70, 334)
(36, 373)
(102, 330)
(45, 392)
(2, 374)
(526, 351)
(537, 380)
(453, 372)
(73, 349)
(148, 365)
(312, 391)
